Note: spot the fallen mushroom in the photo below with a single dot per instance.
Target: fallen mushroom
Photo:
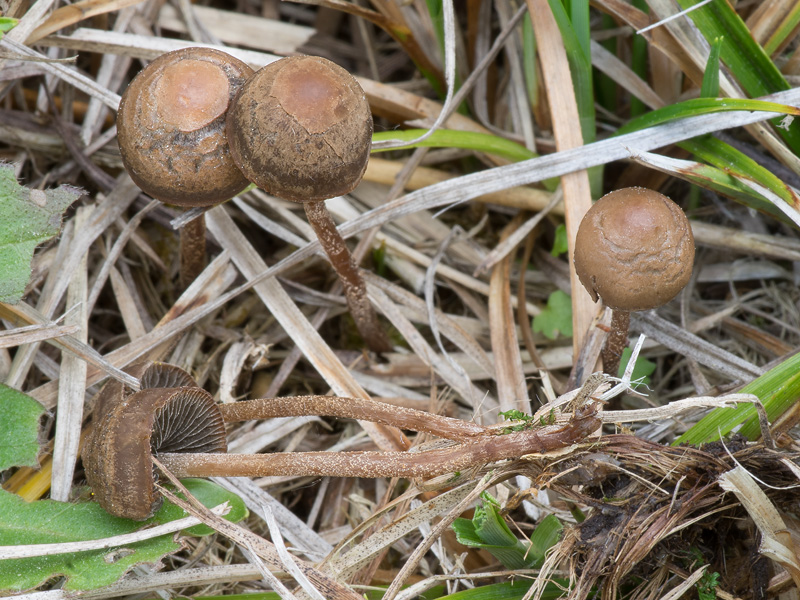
(184, 428)
(171, 132)
(301, 129)
(635, 250)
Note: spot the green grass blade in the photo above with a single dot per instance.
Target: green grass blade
(714, 179)
(778, 389)
(787, 26)
(701, 106)
(729, 159)
(745, 58)
(529, 62)
(710, 86)
(451, 138)
(580, 66)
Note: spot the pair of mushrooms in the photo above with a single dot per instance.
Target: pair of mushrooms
(635, 250)
(197, 125)
(181, 424)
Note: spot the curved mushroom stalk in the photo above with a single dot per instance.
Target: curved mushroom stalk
(301, 129)
(635, 250)
(185, 429)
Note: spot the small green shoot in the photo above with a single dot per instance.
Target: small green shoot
(710, 85)
(556, 318)
(488, 530)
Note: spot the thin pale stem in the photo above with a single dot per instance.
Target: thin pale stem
(355, 291)
(352, 408)
(616, 341)
(478, 452)
(192, 250)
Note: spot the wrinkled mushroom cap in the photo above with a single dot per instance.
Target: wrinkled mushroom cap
(117, 458)
(634, 249)
(171, 127)
(301, 129)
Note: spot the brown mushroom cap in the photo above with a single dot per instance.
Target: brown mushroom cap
(171, 127)
(118, 454)
(634, 249)
(301, 129)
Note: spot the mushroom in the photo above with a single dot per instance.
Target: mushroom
(184, 428)
(301, 129)
(171, 133)
(635, 250)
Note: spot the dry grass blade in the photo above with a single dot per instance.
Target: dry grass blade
(776, 538)
(575, 185)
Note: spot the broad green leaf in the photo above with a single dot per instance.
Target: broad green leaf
(27, 218)
(452, 138)
(210, 494)
(710, 86)
(778, 389)
(702, 106)
(641, 370)
(556, 318)
(48, 522)
(745, 58)
(19, 429)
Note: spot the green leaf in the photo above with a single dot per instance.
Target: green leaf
(19, 429)
(710, 86)
(641, 370)
(701, 106)
(488, 530)
(48, 521)
(210, 494)
(27, 218)
(556, 317)
(560, 243)
(7, 24)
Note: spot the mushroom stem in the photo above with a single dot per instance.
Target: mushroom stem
(355, 290)
(485, 449)
(616, 341)
(192, 250)
(352, 408)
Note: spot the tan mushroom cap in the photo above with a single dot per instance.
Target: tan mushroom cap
(118, 455)
(301, 129)
(634, 249)
(171, 127)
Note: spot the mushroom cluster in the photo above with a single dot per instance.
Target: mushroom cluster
(196, 125)
(634, 250)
